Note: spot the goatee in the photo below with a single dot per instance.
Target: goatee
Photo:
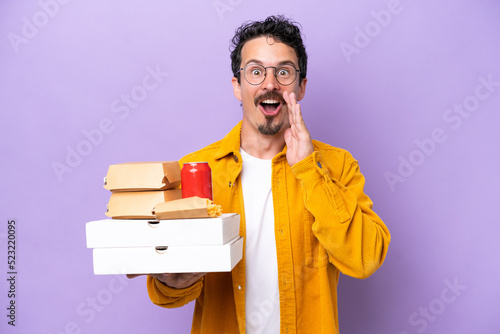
(268, 128)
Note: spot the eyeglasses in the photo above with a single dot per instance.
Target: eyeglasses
(256, 74)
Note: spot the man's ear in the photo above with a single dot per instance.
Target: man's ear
(236, 88)
(302, 89)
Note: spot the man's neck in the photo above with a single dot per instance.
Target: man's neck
(262, 146)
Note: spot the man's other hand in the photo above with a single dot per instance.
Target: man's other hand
(174, 280)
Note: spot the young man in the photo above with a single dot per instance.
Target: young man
(304, 215)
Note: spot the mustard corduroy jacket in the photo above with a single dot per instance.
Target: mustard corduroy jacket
(324, 224)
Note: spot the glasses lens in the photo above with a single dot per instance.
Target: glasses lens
(286, 74)
(255, 74)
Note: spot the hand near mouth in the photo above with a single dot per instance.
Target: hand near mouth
(297, 137)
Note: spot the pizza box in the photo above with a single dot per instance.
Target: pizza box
(172, 232)
(168, 259)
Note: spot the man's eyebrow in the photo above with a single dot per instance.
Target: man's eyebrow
(256, 61)
(286, 62)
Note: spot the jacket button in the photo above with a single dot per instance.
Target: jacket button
(230, 184)
(235, 158)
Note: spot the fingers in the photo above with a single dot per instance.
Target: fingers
(292, 105)
(293, 99)
(196, 277)
(286, 96)
(174, 280)
(130, 276)
(289, 139)
(179, 280)
(296, 119)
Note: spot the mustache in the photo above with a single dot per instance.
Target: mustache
(269, 96)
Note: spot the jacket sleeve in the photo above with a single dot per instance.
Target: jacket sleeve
(352, 234)
(168, 297)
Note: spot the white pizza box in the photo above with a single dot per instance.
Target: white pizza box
(172, 232)
(168, 259)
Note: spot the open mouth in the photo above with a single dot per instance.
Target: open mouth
(270, 107)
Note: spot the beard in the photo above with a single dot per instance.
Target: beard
(268, 128)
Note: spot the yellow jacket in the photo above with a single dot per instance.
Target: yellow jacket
(324, 224)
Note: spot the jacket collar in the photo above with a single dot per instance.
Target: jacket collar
(231, 143)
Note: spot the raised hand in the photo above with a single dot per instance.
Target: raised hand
(297, 137)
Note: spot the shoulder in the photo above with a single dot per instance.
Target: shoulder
(330, 152)
(338, 160)
(230, 143)
(204, 154)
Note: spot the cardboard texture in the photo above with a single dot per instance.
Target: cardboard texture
(142, 176)
(191, 207)
(109, 233)
(171, 259)
(138, 204)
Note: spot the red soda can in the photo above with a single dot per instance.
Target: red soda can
(196, 180)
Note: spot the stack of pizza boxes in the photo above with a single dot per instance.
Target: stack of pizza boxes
(136, 239)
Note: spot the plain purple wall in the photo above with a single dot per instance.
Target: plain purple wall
(410, 88)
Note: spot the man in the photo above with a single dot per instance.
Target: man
(304, 215)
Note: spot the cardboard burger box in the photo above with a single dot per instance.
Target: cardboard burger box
(138, 204)
(176, 245)
(142, 176)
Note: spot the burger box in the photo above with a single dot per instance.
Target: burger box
(138, 204)
(109, 233)
(190, 207)
(141, 176)
(168, 259)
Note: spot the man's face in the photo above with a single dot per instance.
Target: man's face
(264, 109)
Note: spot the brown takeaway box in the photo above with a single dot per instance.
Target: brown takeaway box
(138, 204)
(141, 176)
(191, 207)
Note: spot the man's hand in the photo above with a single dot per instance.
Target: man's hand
(297, 137)
(175, 280)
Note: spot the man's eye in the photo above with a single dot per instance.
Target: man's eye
(283, 72)
(256, 72)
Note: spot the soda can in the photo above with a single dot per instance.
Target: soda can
(196, 180)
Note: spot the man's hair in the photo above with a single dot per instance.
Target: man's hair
(279, 28)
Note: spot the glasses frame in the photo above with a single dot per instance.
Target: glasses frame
(265, 74)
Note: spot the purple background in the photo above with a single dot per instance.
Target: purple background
(66, 75)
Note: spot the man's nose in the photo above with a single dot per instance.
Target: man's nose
(270, 82)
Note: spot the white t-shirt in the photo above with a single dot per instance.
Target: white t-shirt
(262, 293)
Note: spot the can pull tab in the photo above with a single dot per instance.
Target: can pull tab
(161, 249)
